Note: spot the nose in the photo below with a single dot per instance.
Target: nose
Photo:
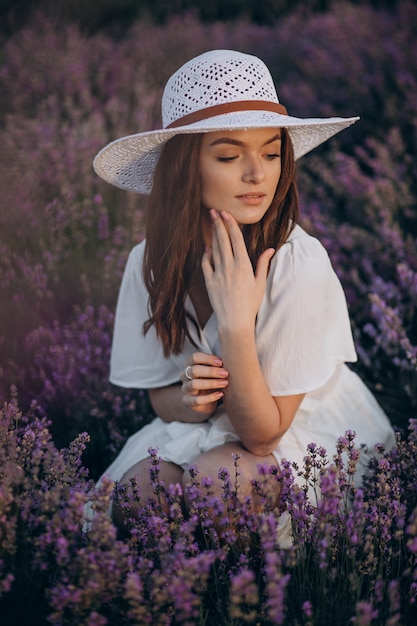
(253, 171)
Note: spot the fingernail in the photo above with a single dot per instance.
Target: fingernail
(218, 362)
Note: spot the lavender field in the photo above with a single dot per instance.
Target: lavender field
(64, 239)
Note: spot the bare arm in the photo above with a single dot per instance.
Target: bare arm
(193, 401)
(259, 418)
(168, 405)
(235, 293)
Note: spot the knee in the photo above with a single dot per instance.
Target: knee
(211, 472)
(138, 488)
(204, 468)
(233, 470)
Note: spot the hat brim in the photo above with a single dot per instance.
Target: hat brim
(129, 162)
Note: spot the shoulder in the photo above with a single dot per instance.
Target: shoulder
(132, 286)
(301, 255)
(137, 252)
(135, 260)
(302, 244)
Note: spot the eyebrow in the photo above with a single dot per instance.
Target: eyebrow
(235, 142)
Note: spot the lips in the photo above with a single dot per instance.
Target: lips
(253, 195)
(254, 198)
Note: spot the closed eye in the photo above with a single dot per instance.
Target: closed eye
(226, 159)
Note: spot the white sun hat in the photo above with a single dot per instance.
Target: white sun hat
(218, 90)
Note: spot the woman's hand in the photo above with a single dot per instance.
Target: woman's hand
(203, 382)
(234, 289)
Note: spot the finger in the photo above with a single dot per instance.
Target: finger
(235, 235)
(203, 372)
(222, 247)
(203, 365)
(203, 358)
(207, 263)
(202, 400)
(216, 251)
(204, 385)
(262, 264)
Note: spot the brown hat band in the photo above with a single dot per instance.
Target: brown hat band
(229, 107)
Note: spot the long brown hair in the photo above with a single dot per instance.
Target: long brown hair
(174, 242)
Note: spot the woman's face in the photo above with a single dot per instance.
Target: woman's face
(239, 172)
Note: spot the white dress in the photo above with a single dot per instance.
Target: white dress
(303, 339)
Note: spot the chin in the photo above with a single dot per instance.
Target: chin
(247, 221)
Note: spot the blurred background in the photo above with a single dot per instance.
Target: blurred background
(118, 14)
(75, 75)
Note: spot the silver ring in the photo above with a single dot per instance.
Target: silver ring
(187, 373)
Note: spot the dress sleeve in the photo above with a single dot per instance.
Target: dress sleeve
(303, 329)
(137, 360)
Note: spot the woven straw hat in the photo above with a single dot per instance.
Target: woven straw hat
(218, 90)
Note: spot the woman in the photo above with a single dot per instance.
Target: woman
(229, 314)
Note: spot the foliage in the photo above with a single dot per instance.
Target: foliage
(116, 15)
(350, 557)
(68, 373)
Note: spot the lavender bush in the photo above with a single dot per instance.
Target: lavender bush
(351, 557)
(64, 240)
(68, 372)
